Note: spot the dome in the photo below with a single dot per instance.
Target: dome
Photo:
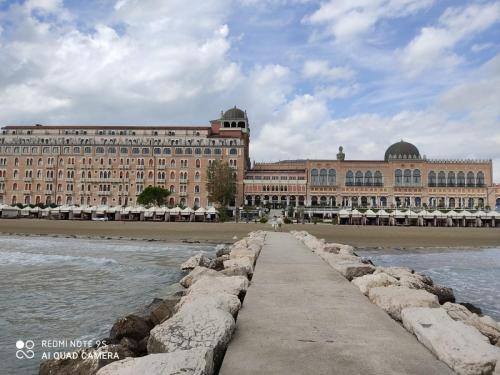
(234, 114)
(402, 150)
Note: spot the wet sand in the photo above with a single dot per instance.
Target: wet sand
(367, 236)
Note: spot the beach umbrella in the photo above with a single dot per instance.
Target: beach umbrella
(175, 211)
(413, 214)
(400, 214)
(187, 211)
(370, 213)
(200, 211)
(149, 212)
(355, 213)
(383, 213)
(343, 213)
(160, 210)
(212, 210)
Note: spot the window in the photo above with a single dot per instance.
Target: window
(145, 151)
(323, 177)
(88, 150)
(432, 178)
(378, 180)
(123, 150)
(417, 179)
(208, 151)
(157, 151)
(314, 177)
(461, 179)
(167, 151)
(368, 178)
(332, 177)
(480, 179)
(441, 179)
(358, 178)
(349, 178)
(233, 151)
(407, 177)
(451, 179)
(398, 177)
(470, 179)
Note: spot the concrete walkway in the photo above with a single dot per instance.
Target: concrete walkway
(300, 316)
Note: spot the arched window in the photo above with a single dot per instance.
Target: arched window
(432, 178)
(314, 177)
(441, 179)
(461, 179)
(470, 179)
(323, 177)
(349, 178)
(368, 178)
(407, 177)
(358, 178)
(451, 179)
(378, 181)
(398, 177)
(480, 179)
(198, 163)
(332, 177)
(417, 179)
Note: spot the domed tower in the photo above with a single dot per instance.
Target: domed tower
(402, 150)
(235, 118)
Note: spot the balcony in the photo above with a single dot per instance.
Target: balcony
(183, 194)
(139, 167)
(49, 192)
(183, 180)
(26, 192)
(104, 193)
(28, 179)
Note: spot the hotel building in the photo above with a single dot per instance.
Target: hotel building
(111, 165)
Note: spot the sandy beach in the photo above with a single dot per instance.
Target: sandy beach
(361, 236)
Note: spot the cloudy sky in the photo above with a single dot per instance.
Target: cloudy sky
(312, 75)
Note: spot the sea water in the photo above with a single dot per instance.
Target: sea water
(473, 274)
(56, 291)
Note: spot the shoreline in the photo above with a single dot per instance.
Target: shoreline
(365, 237)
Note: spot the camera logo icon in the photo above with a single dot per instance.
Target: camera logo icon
(24, 349)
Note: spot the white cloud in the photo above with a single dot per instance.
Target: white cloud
(348, 19)
(167, 62)
(433, 47)
(322, 70)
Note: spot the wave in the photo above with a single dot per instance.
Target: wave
(32, 259)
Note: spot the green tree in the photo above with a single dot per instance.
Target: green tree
(153, 195)
(221, 185)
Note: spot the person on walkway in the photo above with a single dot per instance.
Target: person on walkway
(279, 221)
(274, 223)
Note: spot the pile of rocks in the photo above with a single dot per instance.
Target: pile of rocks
(467, 342)
(194, 338)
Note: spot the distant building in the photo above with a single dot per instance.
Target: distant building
(111, 165)
(404, 178)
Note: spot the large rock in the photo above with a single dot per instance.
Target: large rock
(196, 325)
(236, 285)
(443, 293)
(367, 282)
(87, 362)
(200, 259)
(221, 250)
(348, 265)
(243, 252)
(218, 300)
(393, 299)
(414, 280)
(197, 273)
(196, 361)
(244, 262)
(461, 347)
(484, 324)
(163, 310)
(131, 326)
